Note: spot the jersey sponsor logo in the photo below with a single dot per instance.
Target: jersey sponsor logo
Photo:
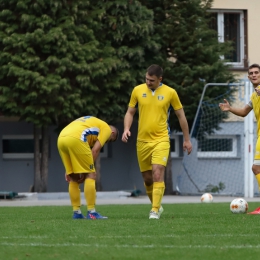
(144, 95)
(160, 98)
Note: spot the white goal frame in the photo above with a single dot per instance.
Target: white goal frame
(248, 135)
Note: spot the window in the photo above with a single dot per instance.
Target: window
(218, 146)
(175, 146)
(230, 27)
(18, 146)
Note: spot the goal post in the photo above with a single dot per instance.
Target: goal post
(223, 145)
(249, 146)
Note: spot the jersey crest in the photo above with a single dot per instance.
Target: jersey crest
(160, 98)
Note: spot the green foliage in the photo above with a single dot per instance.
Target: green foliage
(215, 188)
(47, 52)
(125, 36)
(190, 51)
(62, 59)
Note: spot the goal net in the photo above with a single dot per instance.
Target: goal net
(217, 163)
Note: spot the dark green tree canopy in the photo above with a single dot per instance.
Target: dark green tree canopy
(47, 53)
(125, 35)
(62, 59)
(190, 51)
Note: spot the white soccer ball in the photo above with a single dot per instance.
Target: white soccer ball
(239, 206)
(206, 198)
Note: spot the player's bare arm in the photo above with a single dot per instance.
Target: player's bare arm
(225, 106)
(187, 146)
(128, 120)
(96, 150)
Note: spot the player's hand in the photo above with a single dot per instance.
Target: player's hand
(187, 146)
(257, 89)
(126, 135)
(224, 106)
(67, 178)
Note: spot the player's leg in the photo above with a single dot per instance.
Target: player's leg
(82, 161)
(256, 164)
(90, 196)
(159, 161)
(144, 156)
(256, 170)
(148, 184)
(144, 153)
(74, 192)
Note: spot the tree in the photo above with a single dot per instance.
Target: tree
(125, 37)
(47, 51)
(58, 58)
(190, 52)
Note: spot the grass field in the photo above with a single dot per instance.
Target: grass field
(185, 231)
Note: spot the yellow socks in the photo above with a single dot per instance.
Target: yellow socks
(258, 180)
(74, 193)
(90, 193)
(149, 192)
(158, 191)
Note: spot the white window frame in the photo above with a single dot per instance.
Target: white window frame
(177, 146)
(220, 17)
(224, 154)
(103, 154)
(18, 155)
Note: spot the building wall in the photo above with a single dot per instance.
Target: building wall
(119, 171)
(253, 21)
(205, 171)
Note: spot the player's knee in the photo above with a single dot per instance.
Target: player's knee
(256, 169)
(91, 175)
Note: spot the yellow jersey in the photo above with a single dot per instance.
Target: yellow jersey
(255, 104)
(88, 129)
(154, 108)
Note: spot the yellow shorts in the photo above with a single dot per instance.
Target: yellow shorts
(152, 153)
(257, 149)
(76, 155)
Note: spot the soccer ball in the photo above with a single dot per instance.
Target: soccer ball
(206, 198)
(239, 206)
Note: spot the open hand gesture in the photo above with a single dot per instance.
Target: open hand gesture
(224, 106)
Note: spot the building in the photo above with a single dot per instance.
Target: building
(237, 20)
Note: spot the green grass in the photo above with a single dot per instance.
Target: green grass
(185, 231)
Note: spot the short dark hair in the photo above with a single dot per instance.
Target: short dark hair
(116, 132)
(155, 70)
(255, 65)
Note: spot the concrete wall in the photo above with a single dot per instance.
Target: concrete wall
(119, 171)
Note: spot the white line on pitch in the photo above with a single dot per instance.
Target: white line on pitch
(129, 246)
(136, 236)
